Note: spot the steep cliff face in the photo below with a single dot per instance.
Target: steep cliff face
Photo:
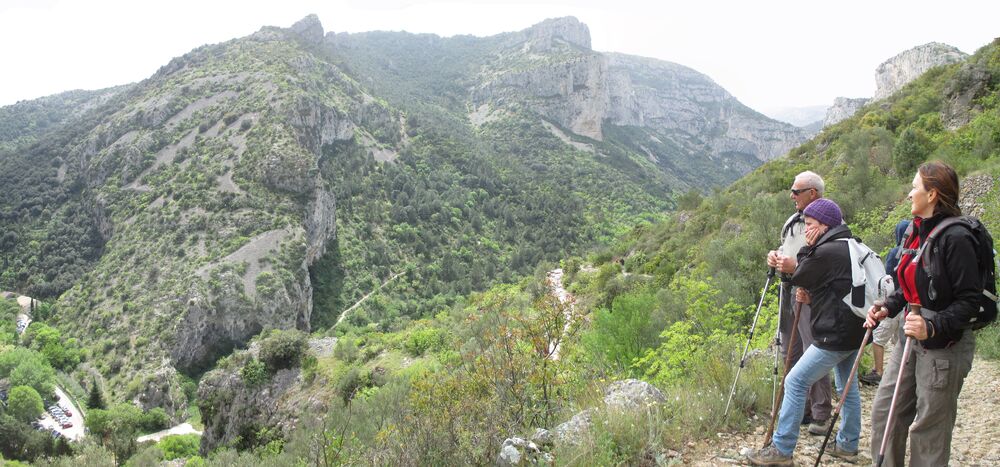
(843, 108)
(234, 409)
(894, 73)
(582, 91)
(899, 70)
(667, 97)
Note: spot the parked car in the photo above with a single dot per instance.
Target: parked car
(67, 424)
(66, 411)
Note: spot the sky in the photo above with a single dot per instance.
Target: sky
(769, 54)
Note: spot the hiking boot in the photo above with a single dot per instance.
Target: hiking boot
(843, 454)
(770, 456)
(819, 427)
(871, 378)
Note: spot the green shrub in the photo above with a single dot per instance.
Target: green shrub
(352, 381)
(283, 349)
(179, 446)
(910, 151)
(254, 373)
(154, 419)
(623, 333)
(421, 340)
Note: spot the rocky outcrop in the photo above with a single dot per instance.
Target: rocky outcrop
(907, 66)
(620, 396)
(232, 407)
(519, 451)
(974, 189)
(970, 82)
(895, 73)
(574, 93)
(309, 30)
(843, 108)
(543, 36)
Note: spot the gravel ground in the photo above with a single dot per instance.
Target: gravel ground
(976, 439)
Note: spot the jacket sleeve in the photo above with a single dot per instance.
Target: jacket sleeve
(961, 272)
(895, 302)
(810, 273)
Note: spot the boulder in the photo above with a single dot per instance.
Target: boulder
(632, 394)
(518, 451)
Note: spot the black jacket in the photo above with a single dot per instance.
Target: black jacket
(824, 270)
(958, 290)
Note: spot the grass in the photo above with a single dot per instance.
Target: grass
(988, 342)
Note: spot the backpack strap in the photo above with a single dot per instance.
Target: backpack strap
(903, 250)
(944, 224)
(791, 221)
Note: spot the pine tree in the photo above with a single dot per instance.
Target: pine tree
(96, 399)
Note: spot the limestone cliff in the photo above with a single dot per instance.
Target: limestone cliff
(583, 91)
(896, 72)
(843, 108)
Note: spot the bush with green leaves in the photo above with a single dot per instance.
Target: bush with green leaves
(423, 339)
(179, 446)
(622, 333)
(254, 373)
(283, 349)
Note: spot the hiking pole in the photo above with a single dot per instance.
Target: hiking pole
(788, 363)
(843, 396)
(895, 391)
(777, 343)
(743, 359)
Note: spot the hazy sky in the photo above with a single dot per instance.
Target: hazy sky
(769, 54)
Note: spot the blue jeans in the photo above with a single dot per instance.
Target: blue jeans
(814, 364)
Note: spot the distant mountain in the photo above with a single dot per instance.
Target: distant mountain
(798, 116)
(273, 181)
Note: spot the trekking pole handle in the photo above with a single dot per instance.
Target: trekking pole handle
(770, 272)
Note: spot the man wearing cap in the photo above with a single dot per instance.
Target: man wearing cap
(806, 188)
(822, 278)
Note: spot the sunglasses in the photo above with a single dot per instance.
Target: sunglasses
(800, 191)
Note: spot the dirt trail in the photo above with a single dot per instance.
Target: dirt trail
(555, 283)
(343, 314)
(974, 443)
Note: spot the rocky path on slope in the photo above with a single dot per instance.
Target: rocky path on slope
(554, 281)
(976, 439)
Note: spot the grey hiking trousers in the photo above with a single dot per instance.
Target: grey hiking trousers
(818, 398)
(927, 403)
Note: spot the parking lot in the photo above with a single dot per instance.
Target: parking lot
(55, 419)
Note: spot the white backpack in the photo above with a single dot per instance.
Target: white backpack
(869, 282)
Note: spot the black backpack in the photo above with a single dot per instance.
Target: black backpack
(985, 257)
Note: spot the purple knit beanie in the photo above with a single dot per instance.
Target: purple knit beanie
(825, 211)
